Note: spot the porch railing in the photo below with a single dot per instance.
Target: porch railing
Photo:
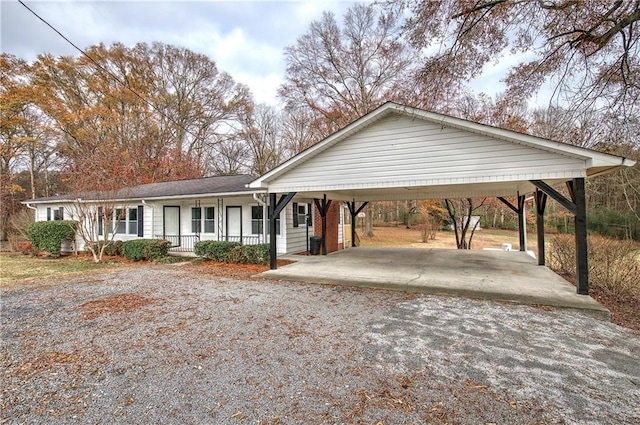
(186, 243)
(245, 240)
(182, 243)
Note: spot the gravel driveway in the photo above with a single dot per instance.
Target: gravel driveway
(172, 345)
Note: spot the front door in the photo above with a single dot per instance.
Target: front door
(234, 224)
(172, 225)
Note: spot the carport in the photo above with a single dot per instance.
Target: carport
(397, 152)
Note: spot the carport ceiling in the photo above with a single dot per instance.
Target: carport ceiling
(397, 152)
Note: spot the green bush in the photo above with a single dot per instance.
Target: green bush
(114, 249)
(237, 255)
(257, 254)
(48, 235)
(145, 249)
(214, 250)
(232, 252)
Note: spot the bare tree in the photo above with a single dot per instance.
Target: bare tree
(460, 212)
(588, 50)
(343, 72)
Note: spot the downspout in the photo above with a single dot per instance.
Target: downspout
(33, 208)
(264, 216)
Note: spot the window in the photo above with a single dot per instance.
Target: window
(133, 221)
(55, 213)
(121, 221)
(128, 221)
(200, 221)
(196, 220)
(209, 220)
(300, 214)
(256, 221)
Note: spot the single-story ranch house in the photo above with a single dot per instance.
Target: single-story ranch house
(220, 208)
(392, 153)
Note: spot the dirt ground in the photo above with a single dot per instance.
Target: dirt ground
(181, 344)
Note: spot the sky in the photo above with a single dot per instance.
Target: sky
(245, 38)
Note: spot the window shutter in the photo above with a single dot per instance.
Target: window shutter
(48, 214)
(140, 221)
(295, 214)
(61, 209)
(100, 221)
(309, 215)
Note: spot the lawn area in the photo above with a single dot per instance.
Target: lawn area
(484, 238)
(18, 268)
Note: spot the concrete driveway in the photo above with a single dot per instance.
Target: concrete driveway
(497, 275)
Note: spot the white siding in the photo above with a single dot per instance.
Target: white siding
(296, 236)
(400, 151)
(153, 217)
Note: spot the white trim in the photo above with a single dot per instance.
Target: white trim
(155, 198)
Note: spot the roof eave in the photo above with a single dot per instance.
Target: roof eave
(147, 198)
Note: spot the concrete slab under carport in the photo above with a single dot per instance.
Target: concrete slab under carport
(495, 275)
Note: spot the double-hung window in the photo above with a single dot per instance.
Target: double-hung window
(203, 220)
(128, 221)
(300, 214)
(256, 221)
(55, 213)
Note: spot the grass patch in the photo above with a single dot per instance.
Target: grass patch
(17, 268)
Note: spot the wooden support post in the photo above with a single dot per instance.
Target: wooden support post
(541, 203)
(582, 265)
(323, 209)
(273, 262)
(275, 208)
(522, 223)
(354, 213)
(579, 209)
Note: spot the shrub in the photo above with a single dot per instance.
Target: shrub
(614, 265)
(145, 249)
(25, 247)
(113, 249)
(237, 255)
(257, 254)
(48, 235)
(214, 250)
(232, 252)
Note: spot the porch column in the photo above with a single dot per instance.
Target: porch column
(275, 208)
(354, 213)
(522, 223)
(522, 219)
(273, 261)
(541, 203)
(323, 209)
(577, 191)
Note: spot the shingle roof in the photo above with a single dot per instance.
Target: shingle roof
(202, 186)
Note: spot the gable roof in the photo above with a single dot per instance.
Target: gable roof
(369, 136)
(217, 185)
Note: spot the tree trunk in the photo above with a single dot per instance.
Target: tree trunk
(368, 221)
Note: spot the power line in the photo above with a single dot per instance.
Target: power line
(118, 80)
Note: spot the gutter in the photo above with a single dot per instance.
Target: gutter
(157, 198)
